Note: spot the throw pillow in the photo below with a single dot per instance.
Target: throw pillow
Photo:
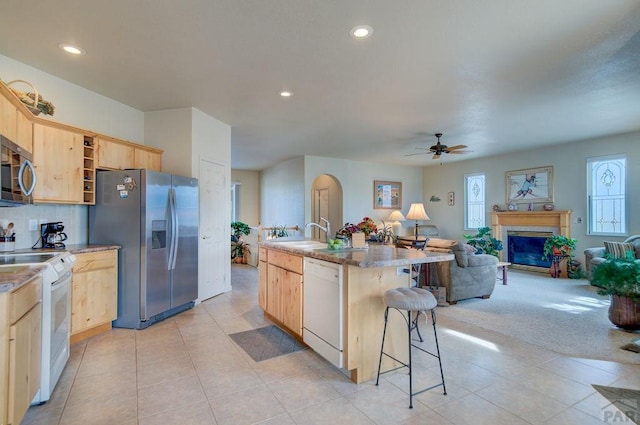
(441, 243)
(469, 249)
(618, 249)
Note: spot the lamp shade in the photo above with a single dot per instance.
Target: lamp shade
(396, 216)
(417, 212)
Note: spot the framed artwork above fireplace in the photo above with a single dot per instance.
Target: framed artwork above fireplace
(530, 185)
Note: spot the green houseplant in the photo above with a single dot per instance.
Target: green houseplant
(558, 245)
(620, 279)
(239, 251)
(484, 242)
(238, 229)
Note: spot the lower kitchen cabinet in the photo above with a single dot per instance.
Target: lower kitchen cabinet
(94, 293)
(282, 284)
(262, 279)
(20, 349)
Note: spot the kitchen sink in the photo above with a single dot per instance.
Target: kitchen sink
(303, 244)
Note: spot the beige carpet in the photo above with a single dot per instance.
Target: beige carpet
(563, 315)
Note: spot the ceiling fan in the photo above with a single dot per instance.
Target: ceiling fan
(438, 149)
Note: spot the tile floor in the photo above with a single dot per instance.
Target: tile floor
(186, 370)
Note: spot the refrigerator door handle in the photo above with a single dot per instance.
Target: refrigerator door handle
(175, 229)
(172, 235)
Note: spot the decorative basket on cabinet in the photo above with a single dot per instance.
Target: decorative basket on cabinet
(32, 100)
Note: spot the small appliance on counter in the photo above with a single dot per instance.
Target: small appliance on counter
(52, 235)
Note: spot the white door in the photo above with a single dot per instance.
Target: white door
(215, 246)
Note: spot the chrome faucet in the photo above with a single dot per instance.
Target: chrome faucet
(326, 228)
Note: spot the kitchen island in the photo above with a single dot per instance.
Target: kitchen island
(354, 304)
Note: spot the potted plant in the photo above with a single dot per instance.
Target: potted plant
(558, 245)
(238, 229)
(239, 251)
(484, 242)
(620, 279)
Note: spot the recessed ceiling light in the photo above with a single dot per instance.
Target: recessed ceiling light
(286, 93)
(361, 31)
(74, 50)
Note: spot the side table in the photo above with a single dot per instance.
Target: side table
(503, 265)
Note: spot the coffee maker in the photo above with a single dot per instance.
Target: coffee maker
(52, 235)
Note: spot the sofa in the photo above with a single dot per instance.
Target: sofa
(469, 275)
(595, 256)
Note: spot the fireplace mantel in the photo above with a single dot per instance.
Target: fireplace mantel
(557, 221)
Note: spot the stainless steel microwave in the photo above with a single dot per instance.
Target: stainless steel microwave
(17, 174)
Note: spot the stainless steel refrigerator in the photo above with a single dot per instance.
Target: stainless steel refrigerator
(154, 218)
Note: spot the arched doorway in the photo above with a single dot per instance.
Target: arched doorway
(326, 201)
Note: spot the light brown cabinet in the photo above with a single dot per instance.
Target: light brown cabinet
(147, 159)
(20, 349)
(262, 278)
(94, 293)
(8, 119)
(282, 285)
(14, 124)
(58, 157)
(114, 156)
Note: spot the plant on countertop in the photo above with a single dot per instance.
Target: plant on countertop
(367, 226)
(558, 245)
(238, 229)
(620, 279)
(347, 230)
(484, 242)
(278, 232)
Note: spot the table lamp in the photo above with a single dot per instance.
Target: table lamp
(417, 212)
(396, 217)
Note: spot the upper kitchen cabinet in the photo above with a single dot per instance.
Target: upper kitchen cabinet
(8, 119)
(147, 158)
(14, 123)
(59, 159)
(114, 154)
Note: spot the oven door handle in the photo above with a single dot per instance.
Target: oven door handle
(27, 164)
(61, 281)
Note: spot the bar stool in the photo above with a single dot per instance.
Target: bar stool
(413, 300)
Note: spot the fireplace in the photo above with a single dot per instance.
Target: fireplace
(530, 229)
(526, 248)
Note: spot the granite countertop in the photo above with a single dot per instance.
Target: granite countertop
(14, 275)
(374, 256)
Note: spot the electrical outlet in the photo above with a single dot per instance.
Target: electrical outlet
(33, 225)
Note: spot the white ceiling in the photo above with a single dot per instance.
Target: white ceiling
(496, 75)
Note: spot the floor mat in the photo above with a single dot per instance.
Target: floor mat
(265, 343)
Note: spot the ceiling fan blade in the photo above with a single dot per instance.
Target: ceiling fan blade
(458, 152)
(436, 156)
(418, 153)
(453, 148)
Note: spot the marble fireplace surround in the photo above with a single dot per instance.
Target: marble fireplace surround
(557, 222)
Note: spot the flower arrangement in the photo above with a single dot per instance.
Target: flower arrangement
(347, 230)
(367, 226)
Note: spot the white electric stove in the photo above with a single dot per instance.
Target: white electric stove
(56, 311)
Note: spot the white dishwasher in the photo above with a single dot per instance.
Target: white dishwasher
(323, 309)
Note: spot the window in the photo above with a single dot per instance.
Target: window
(235, 201)
(606, 190)
(474, 210)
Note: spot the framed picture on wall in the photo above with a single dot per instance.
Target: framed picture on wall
(530, 185)
(387, 195)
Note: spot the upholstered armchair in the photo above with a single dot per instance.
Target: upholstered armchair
(470, 275)
(595, 256)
